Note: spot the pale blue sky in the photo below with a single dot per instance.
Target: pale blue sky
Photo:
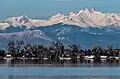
(46, 8)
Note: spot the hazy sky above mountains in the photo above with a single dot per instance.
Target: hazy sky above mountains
(46, 8)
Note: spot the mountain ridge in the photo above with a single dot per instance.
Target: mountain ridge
(87, 27)
(83, 18)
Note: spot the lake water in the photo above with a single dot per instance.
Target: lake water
(34, 69)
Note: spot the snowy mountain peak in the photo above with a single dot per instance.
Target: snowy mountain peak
(59, 15)
(86, 10)
(70, 15)
(85, 17)
(16, 21)
(18, 18)
(89, 9)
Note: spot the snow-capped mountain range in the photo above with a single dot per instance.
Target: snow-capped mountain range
(83, 18)
(87, 27)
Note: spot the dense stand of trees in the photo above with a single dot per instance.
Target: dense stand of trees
(18, 49)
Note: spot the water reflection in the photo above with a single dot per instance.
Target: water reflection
(45, 63)
(33, 69)
(60, 77)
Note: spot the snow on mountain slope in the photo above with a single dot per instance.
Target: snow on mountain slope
(93, 18)
(14, 21)
(4, 26)
(20, 20)
(27, 34)
(53, 20)
(83, 18)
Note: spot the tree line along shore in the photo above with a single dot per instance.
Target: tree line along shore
(57, 51)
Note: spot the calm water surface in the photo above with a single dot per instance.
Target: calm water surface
(35, 69)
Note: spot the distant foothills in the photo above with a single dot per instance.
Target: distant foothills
(57, 52)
